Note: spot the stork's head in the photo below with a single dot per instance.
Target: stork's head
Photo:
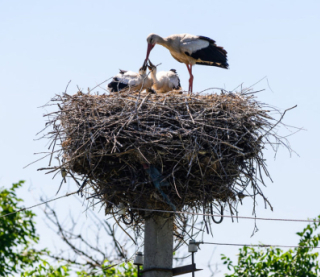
(143, 69)
(152, 67)
(152, 39)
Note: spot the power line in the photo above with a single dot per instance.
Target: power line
(42, 203)
(206, 214)
(231, 216)
(176, 212)
(258, 245)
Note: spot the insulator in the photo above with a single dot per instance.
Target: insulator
(122, 209)
(138, 260)
(63, 172)
(193, 246)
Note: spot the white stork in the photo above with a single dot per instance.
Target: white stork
(164, 81)
(190, 49)
(131, 81)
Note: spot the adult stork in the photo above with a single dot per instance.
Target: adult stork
(190, 49)
(164, 81)
(131, 81)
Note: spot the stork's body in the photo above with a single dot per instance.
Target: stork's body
(165, 81)
(191, 50)
(131, 81)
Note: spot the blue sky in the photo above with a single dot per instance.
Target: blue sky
(44, 44)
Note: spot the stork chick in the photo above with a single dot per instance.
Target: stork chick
(165, 81)
(131, 81)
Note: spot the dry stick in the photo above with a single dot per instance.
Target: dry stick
(40, 159)
(189, 111)
(100, 84)
(279, 119)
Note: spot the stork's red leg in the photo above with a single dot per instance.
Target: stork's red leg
(191, 77)
(189, 66)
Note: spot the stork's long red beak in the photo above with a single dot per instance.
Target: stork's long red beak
(150, 46)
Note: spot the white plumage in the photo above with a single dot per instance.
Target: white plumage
(192, 44)
(131, 81)
(164, 81)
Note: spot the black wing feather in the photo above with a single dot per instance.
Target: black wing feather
(116, 85)
(207, 39)
(179, 85)
(212, 55)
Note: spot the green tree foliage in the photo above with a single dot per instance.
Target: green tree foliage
(44, 269)
(17, 233)
(17, 236)
(123, 270)
(300, 262)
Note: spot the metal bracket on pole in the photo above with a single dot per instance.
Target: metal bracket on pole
(175, 271)
(184, 269)
(193, 247)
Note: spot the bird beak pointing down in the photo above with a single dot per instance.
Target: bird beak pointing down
(150, 46)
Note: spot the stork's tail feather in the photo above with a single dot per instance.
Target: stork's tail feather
(212, 55)
(224, 65)
(222, 50)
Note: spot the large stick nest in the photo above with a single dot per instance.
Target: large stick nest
(164, 151)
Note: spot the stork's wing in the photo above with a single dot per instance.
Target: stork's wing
(116, 85)
(221, 49)
(191, 44)
(205, 51)
(123, 81)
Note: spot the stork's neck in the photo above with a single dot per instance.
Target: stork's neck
(163, 41)
(154, 76)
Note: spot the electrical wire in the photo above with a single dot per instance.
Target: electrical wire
(213, 243)
(42, 203)
(176, 212)
(231, 216)
(258, 245)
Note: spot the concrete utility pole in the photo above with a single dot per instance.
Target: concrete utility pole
(158, 246)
